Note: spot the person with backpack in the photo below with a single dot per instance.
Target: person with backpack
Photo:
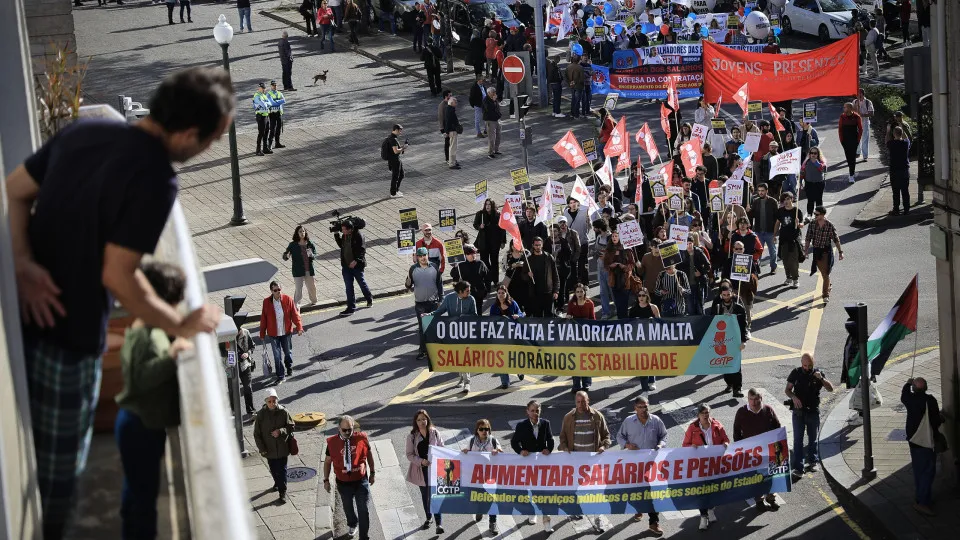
(390, 151)
(353, 261)
(555, 78)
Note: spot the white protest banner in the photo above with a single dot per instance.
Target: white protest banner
(605, 173)
(557, 193)
(675, 197)
(630, 233)
(752, 142)
(716, 199)
(740, 266)
(700, 131)
(738, 172)
(785, 163)
(679, 234)
(733, 192)
(516, 203)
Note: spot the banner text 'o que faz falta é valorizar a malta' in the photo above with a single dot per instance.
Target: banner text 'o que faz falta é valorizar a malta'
(701, 345)
(612, 482)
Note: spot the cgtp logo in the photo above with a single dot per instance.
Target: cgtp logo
(448, 477)
(720, 346)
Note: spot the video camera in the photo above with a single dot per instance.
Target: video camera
(338, 221)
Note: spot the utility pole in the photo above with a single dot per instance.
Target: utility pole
(448, 35)
(541, 55)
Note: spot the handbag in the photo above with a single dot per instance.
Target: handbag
(801, 254)
(267, 368)
(292, 445)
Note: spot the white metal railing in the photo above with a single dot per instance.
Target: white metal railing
(215, 487)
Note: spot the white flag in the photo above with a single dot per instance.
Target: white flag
(566, 24)
(545, 213)
(785, 163)
(605, 174)
(580, 191)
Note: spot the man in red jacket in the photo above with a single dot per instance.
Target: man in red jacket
(350, 455)
(278, 319)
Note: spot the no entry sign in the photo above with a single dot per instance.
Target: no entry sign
(513, 69)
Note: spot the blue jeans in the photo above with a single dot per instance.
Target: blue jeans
(864, 148)
(245, 16)
(582, 382)
(278, 470)
(478, 122)
(605, 293)
(360, 492)
(924, 461)
(388, 17)
(576, 96)
(621, 298)
(505, 379)
(557, 90)
(282, 343)
(587, 96)
(809, 420)
(425, 499)
(327, 30)
(338, 15)
(349, 275)
(141, 454)
(769, 242)
(790, 184)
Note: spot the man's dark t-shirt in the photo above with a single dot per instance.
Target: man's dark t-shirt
(806, 387)
(99, 182)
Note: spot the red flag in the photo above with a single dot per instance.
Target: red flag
(690, 156)
(742, 97)
(618, 139)
(623, 161)
(776, 117)
(664, 121)
(716, 108)
(673, 98)
(646, 141)
(570, 150)
(508, 222)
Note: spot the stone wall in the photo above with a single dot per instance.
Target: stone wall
(49, 26)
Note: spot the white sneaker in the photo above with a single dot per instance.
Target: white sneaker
(711, 516)
(704, 524)
(398, 194)
(504, 102)
(513, 115)
(560, 115)
(653, 387)
(460, 384)
(532, 520)
(547, 526)
(466, 388)
(853, 179)
(597, 526)
(352, 532)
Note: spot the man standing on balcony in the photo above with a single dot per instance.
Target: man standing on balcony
(107, 189)
(278, 319)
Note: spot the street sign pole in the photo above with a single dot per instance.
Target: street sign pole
(520, 126)
(541, 55)
(868, 472)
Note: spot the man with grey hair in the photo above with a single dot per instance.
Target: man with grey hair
(451, 124)
(286, 62)
(491, 117)
(351, 455)
(584, 429)
(753, 419)
(643, 431)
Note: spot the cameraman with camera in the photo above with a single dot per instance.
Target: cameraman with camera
(346, 231)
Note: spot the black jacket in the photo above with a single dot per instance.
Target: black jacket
(359, 251)
(476, 53)
(491, 110)
(917, 405)
(772, 211)
(514, 42)
(474, 273)
(491, 237)
(476, 96)
(529, 230)
(737, 310)
(523, 438)
(451, 122)
(431, 56)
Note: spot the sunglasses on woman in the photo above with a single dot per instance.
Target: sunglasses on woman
(483, 429)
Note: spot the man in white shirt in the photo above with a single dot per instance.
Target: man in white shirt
(864, 108)
(871, 49)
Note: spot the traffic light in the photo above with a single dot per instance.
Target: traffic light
(856, 324)
(231, 307)
(523, 106)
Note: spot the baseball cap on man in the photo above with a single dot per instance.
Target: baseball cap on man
(262, 85)
(422, 251)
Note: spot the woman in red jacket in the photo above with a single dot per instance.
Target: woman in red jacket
(851, 130)
(705, 431)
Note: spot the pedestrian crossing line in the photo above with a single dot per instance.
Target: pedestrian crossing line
(774, 345)
(784, 303)
(412, 388)
(768, 358)
(813, 322)
(509, 530)
(780, 304)
(396, 511)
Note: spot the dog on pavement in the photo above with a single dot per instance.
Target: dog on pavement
(320, 77)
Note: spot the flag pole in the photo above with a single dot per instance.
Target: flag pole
(916, 332)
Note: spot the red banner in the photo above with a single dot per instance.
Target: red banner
(828, 71)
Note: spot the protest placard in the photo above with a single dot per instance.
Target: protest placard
(610, 102)
(719, 126)
(521, 181)
(755, 110)
(810, 113)
(752, 141)
(716, 199)
(454, 249)
(669, 253)
(589, 147)
(675, 197)
(630, 233)
(516, 203)
(785, 163)
(700, 131)
(733, 192)
(740, 266)
(679, 233)
(408, 219)
(406, 241)
(447, 220)
(557, 194)
(480, 191)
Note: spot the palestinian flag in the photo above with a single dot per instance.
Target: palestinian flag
(898, 324)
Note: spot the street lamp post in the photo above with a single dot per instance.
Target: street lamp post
(223, 33)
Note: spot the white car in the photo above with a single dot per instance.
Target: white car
(826, 19)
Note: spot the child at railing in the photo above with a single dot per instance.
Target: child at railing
(149, 403)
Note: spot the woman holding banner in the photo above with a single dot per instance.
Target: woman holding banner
(705, 431)
(484, 441)
(581, 307)
(421, 438)
(505, 306)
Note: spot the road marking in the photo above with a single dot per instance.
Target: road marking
(398, 516)
(813, 323)
(783, 303)
(509, 530)
(775, 345)
(842, 514)
(410, 392)
(904, 356)
(768, 358)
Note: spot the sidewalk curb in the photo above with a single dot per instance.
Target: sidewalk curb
(844, 481)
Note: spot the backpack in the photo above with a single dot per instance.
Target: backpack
(386, 149)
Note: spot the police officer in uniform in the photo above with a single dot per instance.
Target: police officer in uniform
(276, 114)
(261, 107)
